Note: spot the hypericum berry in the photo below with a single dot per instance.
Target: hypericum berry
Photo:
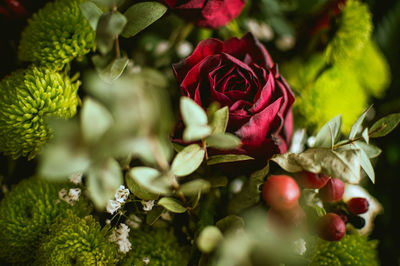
(331, 227)
(358, 205)
(281, 192)
(357, 221)
(343, 215)
(312, 180)
(332, 191)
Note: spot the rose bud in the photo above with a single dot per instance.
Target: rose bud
(331, 227)
(281, 192)
(357, 221)
(312, 180)
(358, 205)
(332, 191)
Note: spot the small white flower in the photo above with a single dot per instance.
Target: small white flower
(260, 30)
(161, 47)
(300, 246)
(147, 205)
(62, 193)
(285, 43)
(133, 221)
(236, 185)
(146, 260)
(108, 221)
(120, 236)
(184, 49)
(166, 216)
(122, 194)
(113, 206)
(74, 194)
(76, 178)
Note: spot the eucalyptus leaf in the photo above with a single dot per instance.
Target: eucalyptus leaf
(115, 69)
(196, 132)
(153, 215)
(103, 180)
(192, 113)
(95, 120)
(220, 120)
(172, 205)
(250, 193)
(209, 238)
(356, 126)
(147, 176)
(225, 141)
(384, 125)
(138, 190)
(194, 187)
(142, 15)
(227, 158)
(365, 135)
(91, 12)
(343, 164)
(108, 27)
(366, 165)
(370, 150)
(188, 160)
(329, 133)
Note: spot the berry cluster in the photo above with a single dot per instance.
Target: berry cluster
(282, 193)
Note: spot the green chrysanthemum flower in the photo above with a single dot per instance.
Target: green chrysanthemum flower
(160, 246)
(354, 30)
(372, 70)
(351, 250)
(26, 213)
(27, 97)
(77, 241)
(56, 34)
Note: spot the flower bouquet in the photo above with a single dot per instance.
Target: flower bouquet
(190, 132)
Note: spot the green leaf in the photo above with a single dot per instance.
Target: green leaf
(370, 150)
(218, 181)
(108, 27)
(104, 179)
(209, 239)
(151, 179)
(220, 120)
(171, 205)
(230, 223)
(356, 126)
(115, 69)
(366, 165)
(138, 190)
(384, 125)
(329, 133)
(153, 215)
(108, 3)
(58, 162)
(188, 160)
(194, 187)
(365, 135)
(142, 15)
(196, 132)
(91, 12)
(225, 141)
(192, 113)
(227, 158)
(343, 164)
(95, 120)
(250, 193)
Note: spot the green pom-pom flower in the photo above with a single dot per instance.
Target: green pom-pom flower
(354, 30)
(157, 247)
(56, 34)
(27, 97)
(26, 213)
(77, 241)
(351, 250)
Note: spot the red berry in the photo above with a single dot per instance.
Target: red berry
(332, 191)
(312, 180)
(331, 227)
(358, 205)
(281, 192)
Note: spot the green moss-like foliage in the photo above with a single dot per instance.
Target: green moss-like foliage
(158, 245)
(354, 30)
(372, 70)
(354, 250)
(56, 34)
(26, 213)
(336, 91)
(77, 241)
(27, 97)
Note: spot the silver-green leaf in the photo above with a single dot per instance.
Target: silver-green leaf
(384, 125)
(329, 133)
(225, 141)
(220, 120)
(151, 179)
(356, 126)
(227, 158)
(194, 187)
(192, 113)
(188, 160)
(91, 12)
(171, 205)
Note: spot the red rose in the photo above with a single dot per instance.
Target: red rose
(207, 13)
(240, 74)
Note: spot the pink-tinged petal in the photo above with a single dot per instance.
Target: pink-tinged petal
(255, 131)
(170, 3)
(217, 13)
(288, 127)
(257, 51)
(193, 4)
(204, 49)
